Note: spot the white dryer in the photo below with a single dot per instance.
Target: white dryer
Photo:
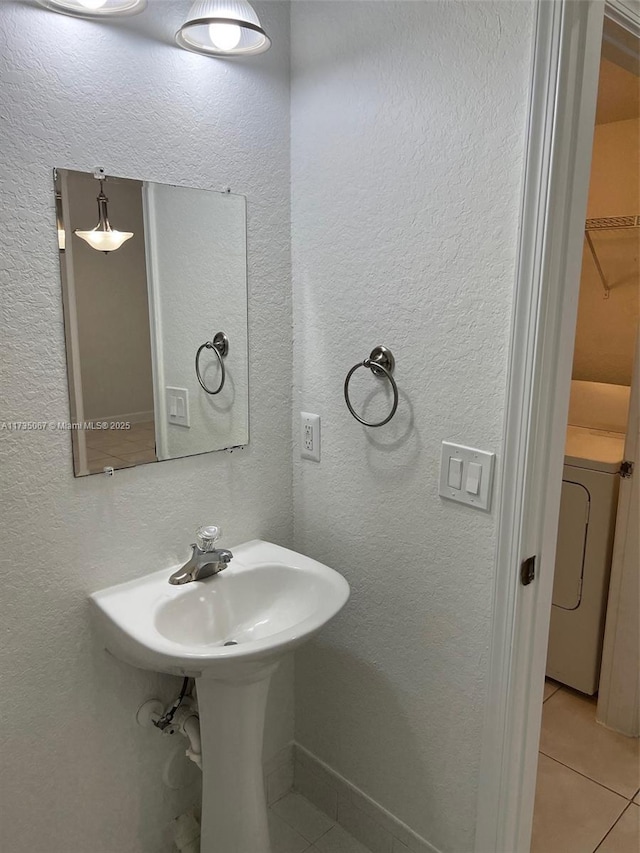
(593, 455)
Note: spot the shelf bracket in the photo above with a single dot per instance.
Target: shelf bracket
(605, 285)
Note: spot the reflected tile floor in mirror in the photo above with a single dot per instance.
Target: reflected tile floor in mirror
(121, 448)
(587, 792)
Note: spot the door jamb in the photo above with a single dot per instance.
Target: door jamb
(568, 35)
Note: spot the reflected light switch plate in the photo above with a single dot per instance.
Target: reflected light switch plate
(177, 406)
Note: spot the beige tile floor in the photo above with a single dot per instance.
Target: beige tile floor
(297, 826)
(121, 448)
(588, 788)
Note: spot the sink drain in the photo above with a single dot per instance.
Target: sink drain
(231, 643)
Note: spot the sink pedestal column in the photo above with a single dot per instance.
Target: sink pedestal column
(234, 809)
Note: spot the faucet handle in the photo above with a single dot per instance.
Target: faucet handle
(207, 536)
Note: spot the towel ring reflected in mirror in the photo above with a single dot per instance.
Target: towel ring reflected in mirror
(220, 346)
(381, 363)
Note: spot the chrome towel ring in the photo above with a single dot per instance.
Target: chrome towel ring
(220, 346)
(381, 363)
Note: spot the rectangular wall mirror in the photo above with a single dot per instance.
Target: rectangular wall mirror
(155, 312)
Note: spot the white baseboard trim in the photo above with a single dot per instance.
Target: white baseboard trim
(362, 817)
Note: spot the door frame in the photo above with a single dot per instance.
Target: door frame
(72, 334)
(564, 85)
(619, 688)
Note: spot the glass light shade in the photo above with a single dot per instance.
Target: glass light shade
(104, 238)
(223, 28)
(104, 241)
(95, 8)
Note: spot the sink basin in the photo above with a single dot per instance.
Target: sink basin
(268, 600)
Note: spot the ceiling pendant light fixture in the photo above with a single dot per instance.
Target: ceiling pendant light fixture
(95, 8)
(223, 28)
(103, 238)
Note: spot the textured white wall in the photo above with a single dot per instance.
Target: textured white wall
(77, 774)
(408, 136)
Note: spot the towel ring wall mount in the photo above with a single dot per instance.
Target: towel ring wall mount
(382, 364)
(220, 347)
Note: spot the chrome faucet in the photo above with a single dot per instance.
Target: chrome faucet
(206, 560)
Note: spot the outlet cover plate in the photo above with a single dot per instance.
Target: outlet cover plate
(310, 436)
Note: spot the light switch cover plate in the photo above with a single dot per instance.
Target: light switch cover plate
(470, 492)
(178, 406)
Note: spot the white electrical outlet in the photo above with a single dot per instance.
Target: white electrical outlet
(310, 436)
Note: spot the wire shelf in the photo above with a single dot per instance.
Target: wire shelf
(612, 222)
(607, 223)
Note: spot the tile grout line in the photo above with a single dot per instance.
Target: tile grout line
(281, 797)
(551, 695)
(584, 776)
(356, 805)
(291, 826)
(611, 828)
(555, 693)
(326, 833)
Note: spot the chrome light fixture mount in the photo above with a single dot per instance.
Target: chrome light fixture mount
(95, 8)
(223, 28)
(103, 238)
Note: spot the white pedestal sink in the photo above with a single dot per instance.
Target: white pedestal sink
(268, 601)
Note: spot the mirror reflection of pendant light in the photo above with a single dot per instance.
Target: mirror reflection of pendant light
(95, 8)
(223, 28)
(103, 237)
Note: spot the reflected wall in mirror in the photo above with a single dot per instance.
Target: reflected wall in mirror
(137, 315)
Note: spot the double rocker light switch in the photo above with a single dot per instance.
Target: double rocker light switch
(466, 474)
